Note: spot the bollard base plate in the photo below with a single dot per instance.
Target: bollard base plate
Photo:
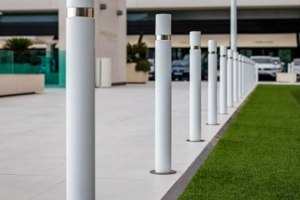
(166, 173)
(188, 140)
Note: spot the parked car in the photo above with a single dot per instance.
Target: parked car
(277, 62)
(296, 65)
(266, 66)
(180, 70)
(152, 69)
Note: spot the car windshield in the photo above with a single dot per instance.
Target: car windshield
(276, 61)
(262, 60)
(297, 62)
(180, 64)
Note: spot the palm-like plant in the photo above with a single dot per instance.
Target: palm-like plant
(18, 44)
(136, 52)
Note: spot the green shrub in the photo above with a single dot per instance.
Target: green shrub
(142, 65)
(136, 52)
(21, 53)
(18, 44)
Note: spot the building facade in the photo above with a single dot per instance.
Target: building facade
(265, 27)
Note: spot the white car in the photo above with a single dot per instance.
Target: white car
(266, 66)
(296, 65)
(277, 62)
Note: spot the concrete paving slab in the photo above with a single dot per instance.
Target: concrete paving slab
(32, 143)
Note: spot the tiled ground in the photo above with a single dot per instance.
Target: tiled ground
(32, 143)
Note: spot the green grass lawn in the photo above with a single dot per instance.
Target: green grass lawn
(259, 155)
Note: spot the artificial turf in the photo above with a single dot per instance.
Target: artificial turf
(258, 157)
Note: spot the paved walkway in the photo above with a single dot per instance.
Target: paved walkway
(32, 143)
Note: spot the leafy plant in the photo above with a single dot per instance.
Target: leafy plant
(136, 52)
(21, 54)
(143, 65)
(18, 44)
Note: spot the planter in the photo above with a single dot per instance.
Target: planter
(134, 76)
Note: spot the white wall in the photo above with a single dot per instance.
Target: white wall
(196, 4)
(111, 36)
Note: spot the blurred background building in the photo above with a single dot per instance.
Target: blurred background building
(265, 27)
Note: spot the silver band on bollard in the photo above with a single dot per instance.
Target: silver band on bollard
(163, 37)
(80, 12)
(195, 47)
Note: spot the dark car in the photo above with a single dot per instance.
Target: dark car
(180, 70)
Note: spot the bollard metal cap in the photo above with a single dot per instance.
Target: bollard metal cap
(163, 24)
(212, 46)
(240, 57)
(195, 38)
(229, 53)
(235, 55)
(223, 51)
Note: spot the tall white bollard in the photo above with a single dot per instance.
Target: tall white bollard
(212, 82)
(80, 100)
(163, 149)
(292, 67)
(289, 67)
(233, 25)
(229, 78)
(223, 80)
(195, 87)
(256, 72)
(240, 76)
(243, 76)
(235, 76)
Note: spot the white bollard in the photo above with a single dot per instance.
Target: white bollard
(289, 67)
(233, 25)
(223, 80)
(240, 77)
(163, 149)
(235, 77)
(80, 100)
(212, 82)
(256, 73)
(229, 78)
(195, 87)
(243, 75)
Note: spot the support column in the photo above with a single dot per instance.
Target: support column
(163, 95)
(195, 87)
(80, 100)
(233, 25)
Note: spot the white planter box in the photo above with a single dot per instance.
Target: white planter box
(286, 77)
(134, 76)
(21, 84)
